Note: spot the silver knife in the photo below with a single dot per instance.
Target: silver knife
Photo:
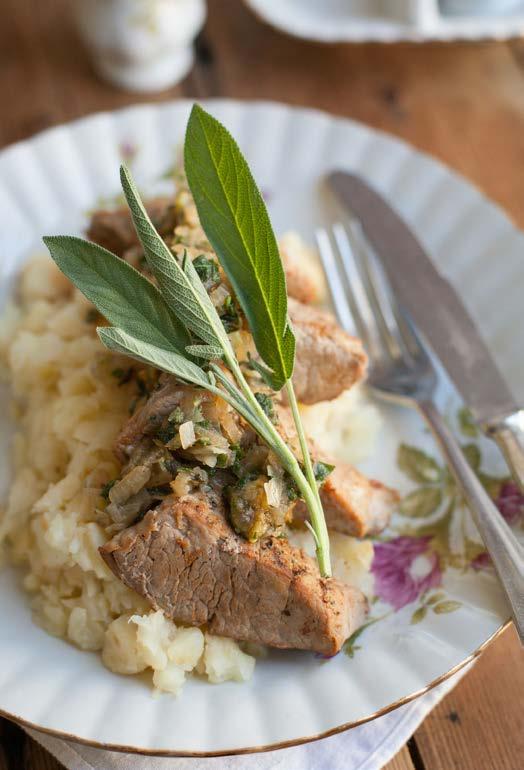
(440, 315)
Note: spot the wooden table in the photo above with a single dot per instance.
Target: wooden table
(464, 103)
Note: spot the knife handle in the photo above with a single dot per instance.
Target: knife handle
(507, 553)
(509, 435)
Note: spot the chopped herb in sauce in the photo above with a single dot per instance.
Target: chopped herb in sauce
(291, 488)
(230, 317)
(322, 471)
(104, 492)
(122, 376)
(266, 402)
(197, 414)
(207, 270)
(238, 453)
(167, 432)
(142, 388)
(177, 415)
(161, 491)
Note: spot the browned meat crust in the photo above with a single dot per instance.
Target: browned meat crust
(328, 360)
(113, 229)
(148, 418)
(185, 560)
(353, 504)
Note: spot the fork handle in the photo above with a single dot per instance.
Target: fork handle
(507, 554)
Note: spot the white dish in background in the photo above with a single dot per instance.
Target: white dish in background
(390, 21)
(140, 46)
(47, 185)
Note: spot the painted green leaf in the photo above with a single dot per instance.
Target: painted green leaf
(435, 598)
(418, 465)
(447, 606)
(473, 455)
(349, 646)
(492, 484)
(235, 220)
(466, 423)
(422, 502)
(418, 615)
(118, 291)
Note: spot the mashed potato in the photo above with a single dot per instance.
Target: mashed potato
(69, 409)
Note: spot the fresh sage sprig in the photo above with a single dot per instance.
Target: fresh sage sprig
(235, 219)
(176, 327)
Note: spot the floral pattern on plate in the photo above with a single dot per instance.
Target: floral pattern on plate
(434, 532)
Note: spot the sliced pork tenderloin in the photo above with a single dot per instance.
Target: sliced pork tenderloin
(353, 504)
(185, 559)
(328, 360)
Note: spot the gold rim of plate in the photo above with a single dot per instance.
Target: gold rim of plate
(269, 746)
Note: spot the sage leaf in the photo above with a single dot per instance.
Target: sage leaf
(266, 374)
(118, 291)
(418, 465)
(179, 284)
(445, 607)
(209, 352)
(422, 502)
(120, 342)
(235, 220)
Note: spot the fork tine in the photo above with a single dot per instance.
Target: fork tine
(342, 292)
(336, 289)
(397, 328)
(374, 284)
(410, 337)
(359, 303)
(363, 312)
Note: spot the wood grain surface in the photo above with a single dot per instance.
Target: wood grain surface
(463, 103)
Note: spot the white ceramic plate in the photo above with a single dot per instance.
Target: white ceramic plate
(47, 185)
(391, 21)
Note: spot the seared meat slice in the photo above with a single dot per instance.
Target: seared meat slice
(185, 559)
(353, 504)
(328, 360)
(113, 228)
(304, 276)
(148, 419)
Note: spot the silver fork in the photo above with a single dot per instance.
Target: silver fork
(402, 371)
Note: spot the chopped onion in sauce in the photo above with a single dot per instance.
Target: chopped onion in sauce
(274, 489)
(130, 484)
(187, 434)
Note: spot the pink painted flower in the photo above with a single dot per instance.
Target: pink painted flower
(404, 568)
(482, 561)
(510, 502)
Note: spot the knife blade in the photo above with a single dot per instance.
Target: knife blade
(429, 298)
(439, 314)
